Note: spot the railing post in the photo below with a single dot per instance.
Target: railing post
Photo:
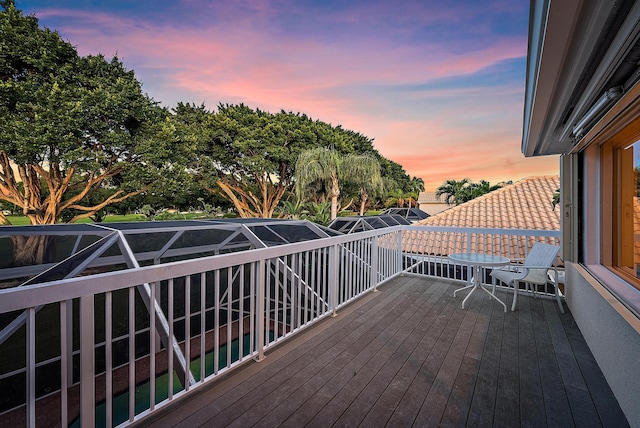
(399, 260)
(87, 363)
(333, 279)
(69, 341)
(31, 366)
(260, 308)
(64, 356)
(374, 263)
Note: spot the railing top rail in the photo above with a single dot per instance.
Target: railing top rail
(493, 231)
(55, 291)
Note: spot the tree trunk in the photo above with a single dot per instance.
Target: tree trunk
(249, 205)
(32, 250)
(363, 201)
(335, 192)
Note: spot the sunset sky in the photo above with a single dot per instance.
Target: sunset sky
(439, 85)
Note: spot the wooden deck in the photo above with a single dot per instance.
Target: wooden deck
(410, 356)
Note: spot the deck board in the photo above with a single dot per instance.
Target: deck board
(531, 396)
(408, 355)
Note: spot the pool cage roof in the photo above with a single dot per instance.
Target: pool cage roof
(38, 254)
(355, 224)
(411, 214)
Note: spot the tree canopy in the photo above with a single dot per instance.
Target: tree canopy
(71, 126)
(248, 156)
(78, 135)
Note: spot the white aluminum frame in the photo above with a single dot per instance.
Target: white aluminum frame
(282, 290)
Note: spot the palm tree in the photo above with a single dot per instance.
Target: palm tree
(395, 198)
(293, 209)
(458, 192)
(367, 176)
(416, 185)
(556, 198)
(483, 187)
(455, 192)
(318, 212)
(329, 167)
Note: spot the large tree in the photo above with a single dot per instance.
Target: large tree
(393, 171)
(247, 155)
(71, 125)
(329, 167)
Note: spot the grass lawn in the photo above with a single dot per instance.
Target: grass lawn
(18, 220)
(123, 218)
(24, 221)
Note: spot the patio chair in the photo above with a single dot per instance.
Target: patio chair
(534, 270)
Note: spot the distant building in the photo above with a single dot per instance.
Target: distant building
(430, 203)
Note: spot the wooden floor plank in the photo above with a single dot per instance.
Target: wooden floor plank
(382, 364)
(410, 356)
(459, 329)
(582, 407)
(555, 400)
(459, 402)
(354, 373)
(371, 407)
(287, 407)
(507, 411)
(483, 403)
(411, 403)
(531, 400)
(365, 348)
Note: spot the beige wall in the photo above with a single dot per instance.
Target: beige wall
(433, 208)
(611, 332)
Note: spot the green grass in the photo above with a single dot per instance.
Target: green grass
(18, 220)
(124, 218)
(24, 221)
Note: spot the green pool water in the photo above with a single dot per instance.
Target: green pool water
(143, 391)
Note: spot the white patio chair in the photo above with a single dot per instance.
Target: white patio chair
(532, 271)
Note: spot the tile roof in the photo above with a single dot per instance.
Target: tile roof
(525, 204)
(430, 198)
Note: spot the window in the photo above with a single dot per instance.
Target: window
(621, 252)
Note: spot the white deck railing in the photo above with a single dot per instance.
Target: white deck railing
(93, 347)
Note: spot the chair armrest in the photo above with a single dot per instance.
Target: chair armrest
(537, 267)
(511, 267)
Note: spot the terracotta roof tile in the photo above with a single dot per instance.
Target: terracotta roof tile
(525, 204)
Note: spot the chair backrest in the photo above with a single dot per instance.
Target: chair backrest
(541, 255)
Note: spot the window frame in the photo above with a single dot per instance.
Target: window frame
(612, 194)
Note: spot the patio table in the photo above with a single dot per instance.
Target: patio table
(479, 260)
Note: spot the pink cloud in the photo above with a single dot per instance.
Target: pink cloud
(437, 134)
